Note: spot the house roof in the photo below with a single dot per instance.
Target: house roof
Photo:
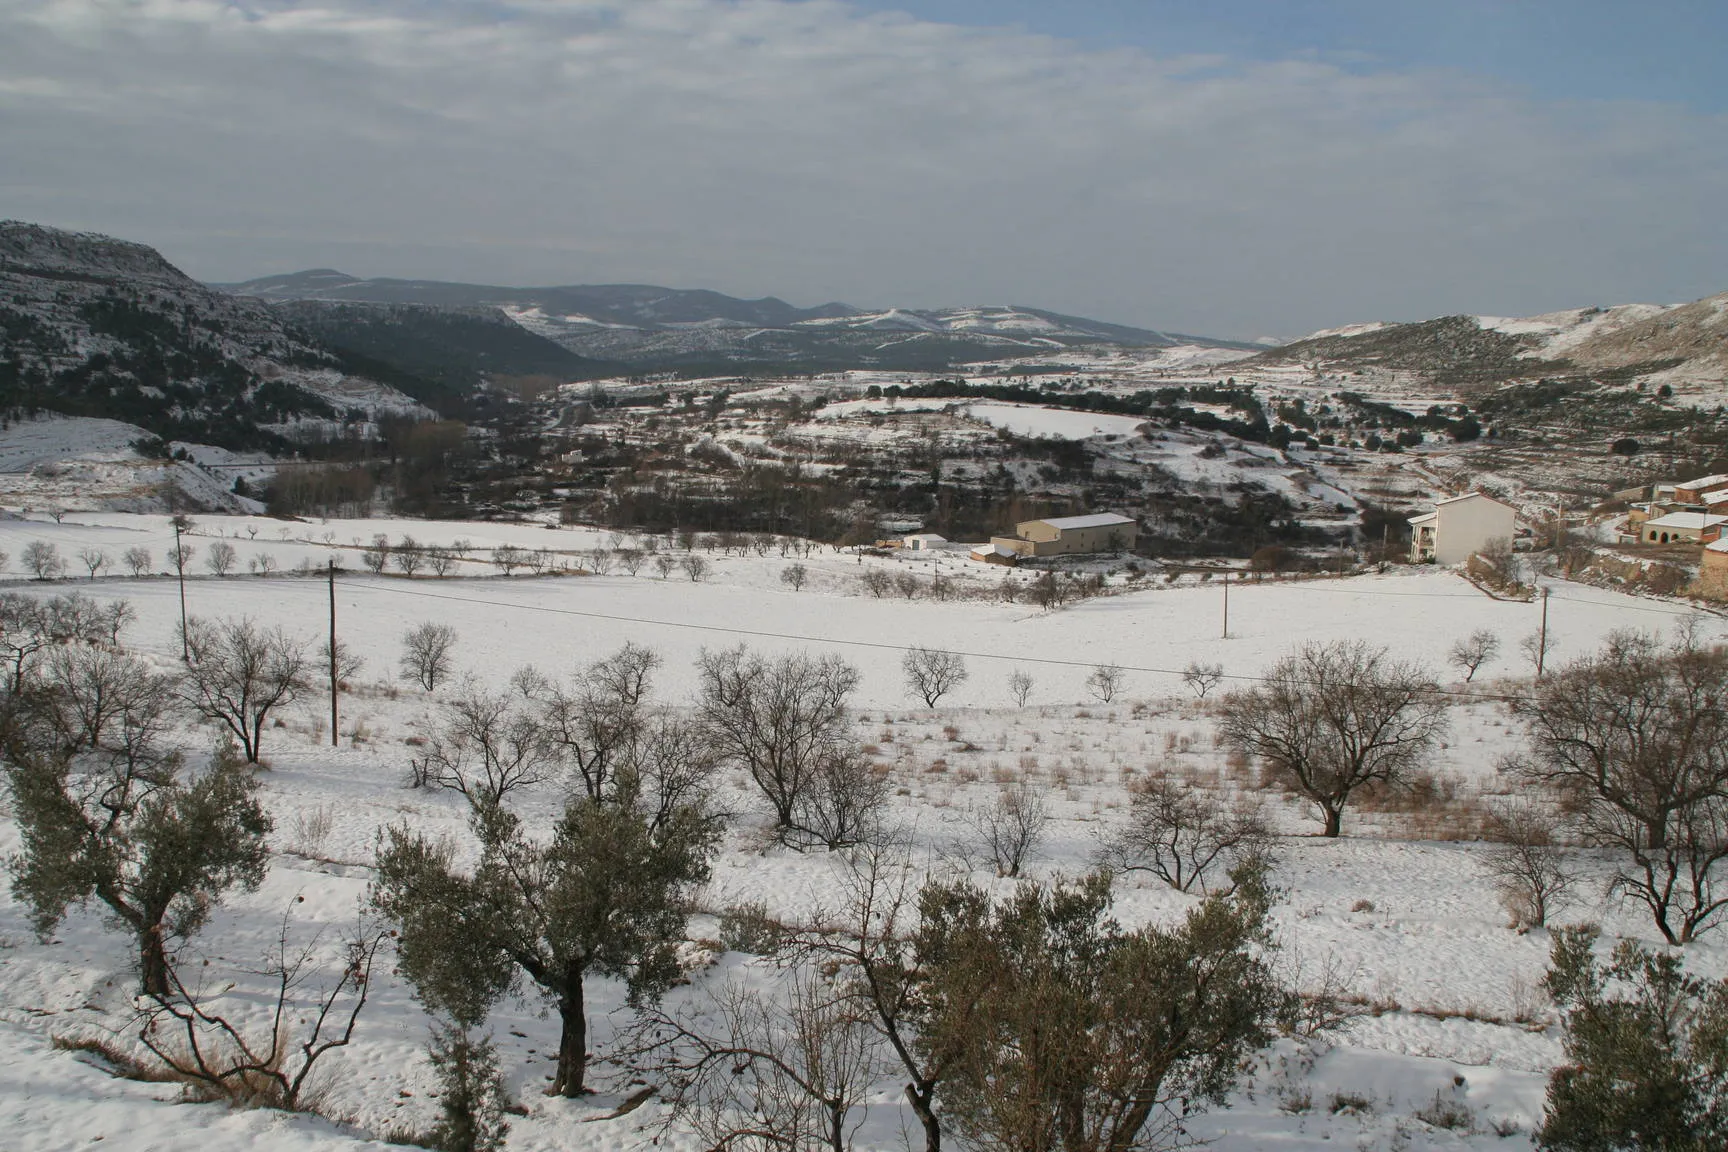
(1691, 520)
(1425, 518)
(1095, 520)
(1717, 545)
(1472, 496)
(1715, 497)
(927, 537)
(993, 550)
(1718, 480)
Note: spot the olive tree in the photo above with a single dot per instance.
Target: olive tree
(105, 811)
(607, 894)
(1332, 717)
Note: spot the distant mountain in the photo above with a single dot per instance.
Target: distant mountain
(646, 328)
(98, 327)
(1682, 345)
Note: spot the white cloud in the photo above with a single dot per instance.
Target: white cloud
(814, 151)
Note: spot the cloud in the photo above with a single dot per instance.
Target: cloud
(816, 151)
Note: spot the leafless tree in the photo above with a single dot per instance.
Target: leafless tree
(1331, 717)
(788, 1070)
(1182, 834)
(507, 558)
(42, 560)
(409, 556)
(602, 713)
(1635, 738)
(238, 673)
(848, 799)
(93, 559)
(1469, 654)
(221, 558)
(907, 584)
(876, 581)
(1012, 826)
(1020, 687)
(1202, 678)
(1104, 683)
(264, 564)
(794, 576)
(427, 654)
(538, 560)
(600, 561)
(1528, 869)
(489, 745)
(180, 557)
(781, 720)
(348, 661)
(932, 673)
(137, 560)
(664, 564)
(440, 562)
(206, 1043)
(1537, 647)
(377, 557)
(694, 567)
(630, 559)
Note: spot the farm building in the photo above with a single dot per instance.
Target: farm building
(1459, 528)
(1694, 491)
(1068, 535)
(1682, 527)
(923, 542)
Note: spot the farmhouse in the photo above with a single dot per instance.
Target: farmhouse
(1067, 535)
(1459, 528)
(1683, 527)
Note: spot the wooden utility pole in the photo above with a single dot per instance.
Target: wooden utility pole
(335, 740)
(1226, 633)
(180, 567)
(1542, 637)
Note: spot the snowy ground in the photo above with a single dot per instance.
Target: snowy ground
(1399, 905)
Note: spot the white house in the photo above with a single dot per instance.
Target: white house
(1460, 527)
(1683, 527)
(923, 542)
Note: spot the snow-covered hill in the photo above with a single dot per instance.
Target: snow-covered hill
(99, 327)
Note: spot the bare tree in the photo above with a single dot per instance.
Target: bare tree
(794, 576)
(238, 673)
(1331, 717)
(203, 1043)
(1202, 678)
(507, 558)
(694, 567)
(1537, 647)
(264, 564)
(93, 559)
(440, 562)
(848, 799)
(1528, 869)
(377, 557)
(600, 561)
(876, 581)
(932, 673)
(1020, 687)
(907, 584)
(1181, 834)
(665, 564)
(409, 556)
(602, 715)
(1636, 740)
(789, 1070)
(1473, 651)
(1104, 683)
(630, 559)
(42, 560)
(137, 560)
(427, 654)
(180, 557)
(1012, 826)
(221, 558)
(490, 744)
(348, 661)
(781, 720)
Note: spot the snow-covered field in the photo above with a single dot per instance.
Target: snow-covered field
(1396, 906)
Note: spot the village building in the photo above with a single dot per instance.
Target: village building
(1682, 527)
(1460, 527)
(923, 542)
(1070, 535)
(1694, 491)
(1713, 571)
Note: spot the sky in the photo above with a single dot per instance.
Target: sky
(1239, 168)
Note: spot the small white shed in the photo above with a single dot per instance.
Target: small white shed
(923, 542)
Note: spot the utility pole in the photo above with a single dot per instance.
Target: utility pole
(180, 567)
(1226, 633)
(335, 740)
(1542, 637)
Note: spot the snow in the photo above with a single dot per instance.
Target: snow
(1055, 423)
(1403, 914)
